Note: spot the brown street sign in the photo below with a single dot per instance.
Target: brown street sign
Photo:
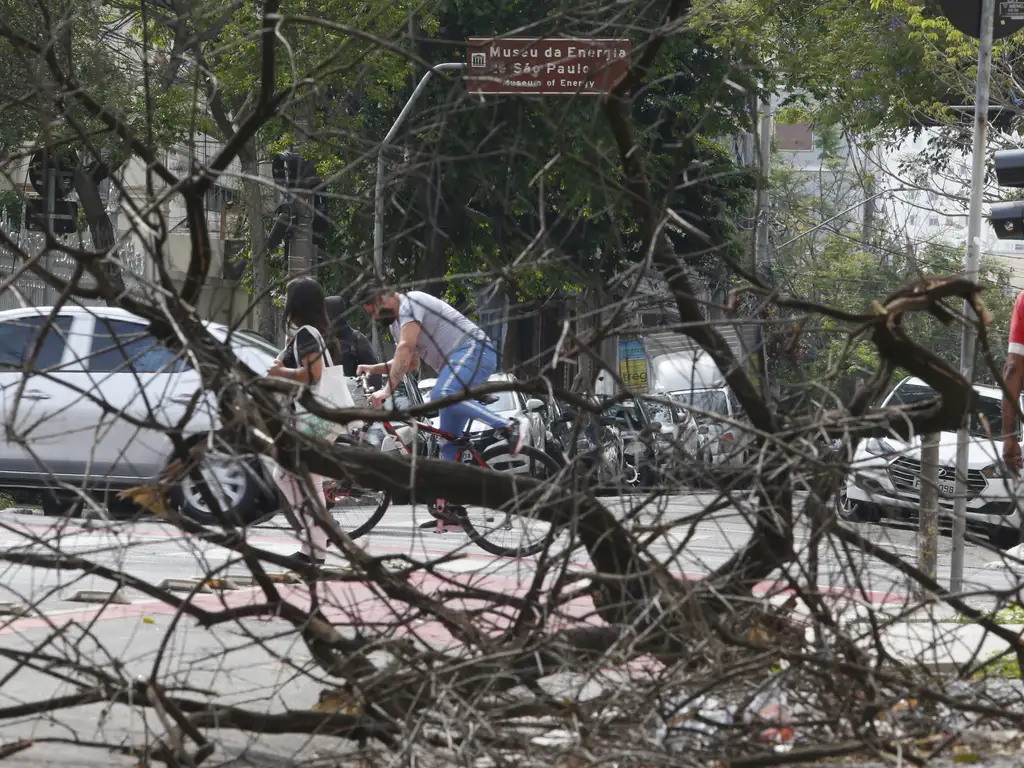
(528, 65)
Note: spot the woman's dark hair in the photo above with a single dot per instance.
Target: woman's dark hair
(304, 305)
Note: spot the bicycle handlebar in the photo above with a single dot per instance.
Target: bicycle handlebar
(361, 379)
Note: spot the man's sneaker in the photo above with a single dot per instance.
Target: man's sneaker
(517, 432)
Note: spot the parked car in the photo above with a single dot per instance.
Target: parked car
(716, 412)
(510, 405)
(679, 428)
(423, 388)
(680, 441)
(641, 449)
(104, 371)
(886, 473)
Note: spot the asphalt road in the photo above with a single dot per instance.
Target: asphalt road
(255, 664)
(689, 542)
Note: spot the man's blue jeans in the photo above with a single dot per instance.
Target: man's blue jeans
(469, 365)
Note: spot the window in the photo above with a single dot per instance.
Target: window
(709, 401)
(242, 339)
(18, 338)
(912, 220)
(630, 412)
(217, 197)
(797, 137)
(933, 221)
(986, 420)
(506, 402)
(119, 346)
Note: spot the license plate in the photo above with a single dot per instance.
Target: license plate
(946, 487)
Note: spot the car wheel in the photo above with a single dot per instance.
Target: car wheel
(855, 511)
(237, 483)
(1004, 536)
(61, 504)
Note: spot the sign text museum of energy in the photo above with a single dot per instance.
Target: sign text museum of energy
(526, 65)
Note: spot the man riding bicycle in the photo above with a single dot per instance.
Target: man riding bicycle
(428, 329)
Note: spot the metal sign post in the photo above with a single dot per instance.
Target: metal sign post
(987, 20)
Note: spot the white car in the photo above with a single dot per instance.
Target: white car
(723, 443)
(510, 405)
(65, 426)
(425, 386)
(886, 474)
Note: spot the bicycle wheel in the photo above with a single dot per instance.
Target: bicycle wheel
(356, 510)
(514, 530)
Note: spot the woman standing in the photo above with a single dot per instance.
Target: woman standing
(302, 360)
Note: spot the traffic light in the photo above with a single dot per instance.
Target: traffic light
(62, 165)
(1008, 220)
(291, 171)
(64, 219)
(1010, 167)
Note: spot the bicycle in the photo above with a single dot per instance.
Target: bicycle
(495, 457)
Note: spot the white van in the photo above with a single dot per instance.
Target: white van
(693, 380)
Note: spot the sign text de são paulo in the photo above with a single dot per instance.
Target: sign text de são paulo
(528, 65)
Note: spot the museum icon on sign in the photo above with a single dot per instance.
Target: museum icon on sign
(478, 60)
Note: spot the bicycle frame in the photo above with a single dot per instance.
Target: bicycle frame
(430, 429)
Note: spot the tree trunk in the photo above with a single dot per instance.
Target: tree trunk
(252, 199)
(100, 227)
(587, 323)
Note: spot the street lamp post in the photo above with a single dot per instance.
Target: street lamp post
(973, 257)
(378, 190)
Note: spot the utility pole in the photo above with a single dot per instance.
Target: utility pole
(51, 194)
(986, 35)
(302, 250)
(928, 518)
(764, 163)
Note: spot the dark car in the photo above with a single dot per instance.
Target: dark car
(642, 453)
(566, 436)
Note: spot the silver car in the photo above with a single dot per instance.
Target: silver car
(69, 423)
(885, 477)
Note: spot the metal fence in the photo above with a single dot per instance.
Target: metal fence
(28, 290)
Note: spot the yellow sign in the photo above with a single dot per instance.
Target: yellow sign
(633, 364)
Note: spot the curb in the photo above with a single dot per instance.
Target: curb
(35, 511)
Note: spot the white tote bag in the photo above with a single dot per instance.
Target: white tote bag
(331, 391)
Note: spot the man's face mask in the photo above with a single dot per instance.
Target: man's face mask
(386, 316)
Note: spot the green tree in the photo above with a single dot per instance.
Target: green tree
(531, 187)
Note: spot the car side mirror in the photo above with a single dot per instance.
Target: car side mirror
(534, 404)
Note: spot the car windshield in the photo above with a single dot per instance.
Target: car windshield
(660, 412)
(711, 401)
(506, 402)
(628, 411)
(986, 419)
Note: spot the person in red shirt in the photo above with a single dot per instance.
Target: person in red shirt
(1013, 375)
